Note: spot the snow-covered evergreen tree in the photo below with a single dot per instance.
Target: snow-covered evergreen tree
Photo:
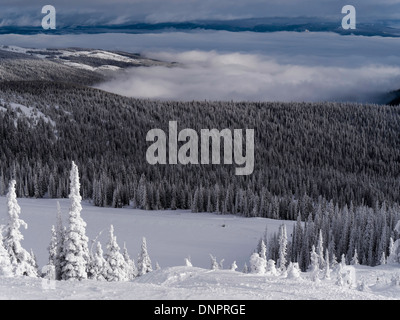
(339, 277)
(327, 269)
(382, 261)
(75, 247)
(354, 260)
(34, 261)
(144, 261)
(117, 268)
(314, 268)
(233, 266)
(6, 269)
(214, 263)
(263, 250)
(343, 260)
(60, 234)
(188, 263)
(257, 264)
(132, 271)
(393, 248)
(282, 247)
(293, 270)
(21, 260)
(245, 268)
(53, 254)
(221, 264)
(98, 266)
(271, 268)
(320, 251)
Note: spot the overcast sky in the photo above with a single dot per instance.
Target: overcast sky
(27, 12)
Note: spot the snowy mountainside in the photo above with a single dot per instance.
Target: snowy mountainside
(29, 112)
(83, 66)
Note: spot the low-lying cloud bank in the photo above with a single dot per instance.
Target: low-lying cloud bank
(220, 65)
(209, 75)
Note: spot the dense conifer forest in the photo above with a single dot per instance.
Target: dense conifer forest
(342, 152)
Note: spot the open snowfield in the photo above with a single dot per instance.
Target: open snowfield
(193, 283)
(171, 237)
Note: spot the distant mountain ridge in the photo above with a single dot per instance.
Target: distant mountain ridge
(75, 65)
(263, 25)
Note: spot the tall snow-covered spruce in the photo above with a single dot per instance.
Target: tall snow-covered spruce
(75, 247)
(21, 260)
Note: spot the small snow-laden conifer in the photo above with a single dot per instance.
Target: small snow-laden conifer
(157, 266)
(34, 260)
(343, 260)
(393, 251)
(214, 263)
(327, 269)
(354, 260)
(263, 250)
(257, 264)
(293, 270)
(117, 267)
(271, 268)
(339, 278)
(132, 271)
(221, 264)
(6, 269)
(334, 262)
(21, 260)
(188, 263)
(320, 251)
(98, 266)
(144, 261)
(233, 266)
(245, 268)
(53, 254)
(314, 268)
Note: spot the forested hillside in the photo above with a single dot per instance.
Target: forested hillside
(71, 65)
(342, 152)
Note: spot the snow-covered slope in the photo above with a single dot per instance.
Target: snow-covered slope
(29, 112)
(173, 236)
(192, 283)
